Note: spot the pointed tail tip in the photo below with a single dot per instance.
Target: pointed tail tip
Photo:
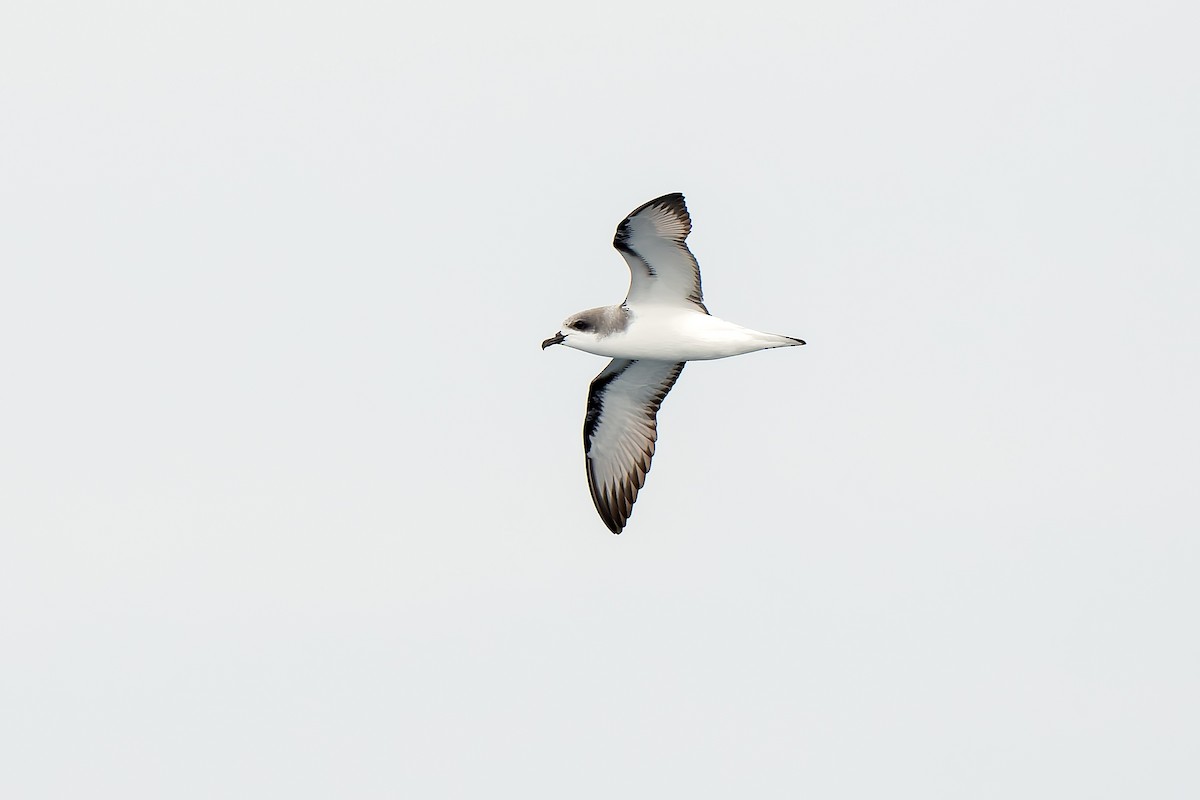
(770, 340)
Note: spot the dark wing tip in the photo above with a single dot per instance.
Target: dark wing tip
(673, 201)
(607, 506)
(614, 503)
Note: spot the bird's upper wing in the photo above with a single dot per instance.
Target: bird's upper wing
(652, 239)
(620, 430)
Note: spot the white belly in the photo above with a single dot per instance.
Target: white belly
(667, 334)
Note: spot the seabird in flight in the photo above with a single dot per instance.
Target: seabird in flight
(662, 324)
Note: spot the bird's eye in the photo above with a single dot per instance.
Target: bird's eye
(579, 325)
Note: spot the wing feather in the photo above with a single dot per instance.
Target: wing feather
(653, 241)
(620, 430)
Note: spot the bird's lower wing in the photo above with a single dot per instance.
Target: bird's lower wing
(620, 430)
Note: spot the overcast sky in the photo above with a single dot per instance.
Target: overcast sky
(292, 503)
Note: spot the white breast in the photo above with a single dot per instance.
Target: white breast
(671, 334)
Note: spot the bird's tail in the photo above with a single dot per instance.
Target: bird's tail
(777, 340)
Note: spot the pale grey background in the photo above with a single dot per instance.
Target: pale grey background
(293, 505)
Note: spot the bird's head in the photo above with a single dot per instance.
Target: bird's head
(587, 327)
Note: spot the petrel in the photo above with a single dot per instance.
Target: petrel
(662, 324)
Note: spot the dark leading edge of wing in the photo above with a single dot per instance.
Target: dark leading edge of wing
(652, 240)
(619, 432)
